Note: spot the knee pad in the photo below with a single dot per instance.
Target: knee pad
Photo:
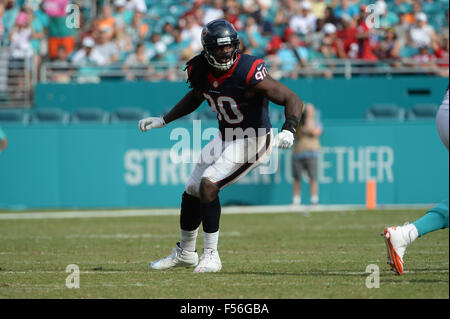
(192, 188)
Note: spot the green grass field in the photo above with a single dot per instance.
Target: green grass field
(277, 256)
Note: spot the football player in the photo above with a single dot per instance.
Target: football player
(398, 238)
(238, 88)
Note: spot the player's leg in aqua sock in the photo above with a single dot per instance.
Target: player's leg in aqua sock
(435, 219)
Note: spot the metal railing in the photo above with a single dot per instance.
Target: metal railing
(18, 77)
(17, 80)
(157, 71)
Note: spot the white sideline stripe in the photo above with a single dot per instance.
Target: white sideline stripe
(304, 273)
(176, 211)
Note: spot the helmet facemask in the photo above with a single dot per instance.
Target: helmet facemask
(215, 58)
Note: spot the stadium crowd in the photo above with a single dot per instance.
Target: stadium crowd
(157, 35)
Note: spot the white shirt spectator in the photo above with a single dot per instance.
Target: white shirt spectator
(107, 50)
(192, 33)
(421, 36)
(303, 24)
(20, 45)
(422, 33)
(88, 54)
(136, 5)
(82, 58)
(212, 14)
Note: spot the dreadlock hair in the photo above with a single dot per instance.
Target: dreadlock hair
(198, 67)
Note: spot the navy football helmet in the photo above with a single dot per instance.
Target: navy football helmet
(219, 33)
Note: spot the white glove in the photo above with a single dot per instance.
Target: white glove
(285, 139)
(151, 122)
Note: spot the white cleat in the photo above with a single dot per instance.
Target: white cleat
(179, 258)
(396, 240)
(209, 261)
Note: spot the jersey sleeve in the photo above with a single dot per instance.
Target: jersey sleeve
(257, 72)
(189, 70)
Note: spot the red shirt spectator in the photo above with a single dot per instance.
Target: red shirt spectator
(365, 43)
(348, 34)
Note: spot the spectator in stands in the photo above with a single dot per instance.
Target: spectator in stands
(20, 38)
(262, 35)
(411, 16)
(291, 57)
(314, 39)
(179, 46)
(137, 65)
(347, 34)
(422, 34)
(318, 8)
(61, 69)
(330, 17)
(88, 54)
(331, 47)
(402, 30)
(303, 22)
(167, 34)
(230, 13)
(59, 33)
(122, 15)
(441, 51)
(123, 41)
(305, 154)
(425, 58)
(107, 48)
(284, 14)
(2, 27)
(138, 29)
(192, 32)
(388, 47)
(196, 7)
(443, 30)
(10, 13)
(252, 7)
(3, 141)
(214, 12)
(156, 46)
(37, 31)
(387, 19)
(365, 40)
(107, 21)
(136, 5)
(252, 38)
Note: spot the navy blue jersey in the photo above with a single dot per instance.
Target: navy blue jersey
(227, 96)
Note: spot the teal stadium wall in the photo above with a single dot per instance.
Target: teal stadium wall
(337, 98)
(115, 165)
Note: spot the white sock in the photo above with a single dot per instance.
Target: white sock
(211, 240)
(411, 232)
(314, 199)
(296, 200)
(188, 239)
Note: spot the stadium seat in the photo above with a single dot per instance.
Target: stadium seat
(422, 111)
(50, 115)
(128, 114)
(14, 116)
(88, 115)
(385, 112)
